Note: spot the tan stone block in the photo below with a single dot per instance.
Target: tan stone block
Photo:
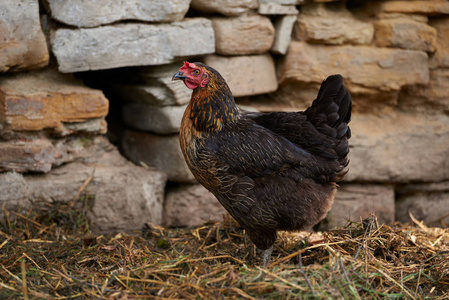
(38, 153)
(441, 56)
(367, 71)
(406, 34)
(22, 42)
(130, 44)
(428, 203)
(318, 24)
(410, 17)
(225, 7)
(126, 196)
(48, 100)
(399, 147)
(256, 73)
(247, 34)
(100, 12)
(158, 151)
(27, 155)
(431, 97)
(191, 205)
(276, 9)
(354, 202)
(429, 7)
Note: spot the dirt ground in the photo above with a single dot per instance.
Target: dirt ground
(50, 253)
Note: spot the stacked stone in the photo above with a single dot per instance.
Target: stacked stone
(52, 146)
(392, 54)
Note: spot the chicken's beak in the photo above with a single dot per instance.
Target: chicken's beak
(179, 76)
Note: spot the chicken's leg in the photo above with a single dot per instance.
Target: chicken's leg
(265, 256)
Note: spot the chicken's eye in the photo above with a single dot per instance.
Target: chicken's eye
(196, 72)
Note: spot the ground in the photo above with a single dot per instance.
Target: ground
(50, 253)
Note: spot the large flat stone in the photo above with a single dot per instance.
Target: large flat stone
(21, 156)
(384, 69)
(191, 205)
(406, 34)
(247, 34)
(354, 202)
(38, 153)
(131, 44)
(318, 24)
(256, 73)
(160, 152)
(399, 147)
(225, 7)
(96, 13)
(125, 196)
(157, 119)
(428, 7)
(22, 42)
(50, 100)
(370, 74)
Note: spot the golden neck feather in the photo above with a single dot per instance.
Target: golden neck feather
(213, 106)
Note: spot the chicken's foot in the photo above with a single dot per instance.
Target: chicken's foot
(265, 256)
(301, 271)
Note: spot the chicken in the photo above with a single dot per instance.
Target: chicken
(270, 171)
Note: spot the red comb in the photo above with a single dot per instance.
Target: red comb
(188, 65)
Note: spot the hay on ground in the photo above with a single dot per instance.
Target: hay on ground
(51, 254)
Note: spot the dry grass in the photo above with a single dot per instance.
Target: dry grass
(50, 254)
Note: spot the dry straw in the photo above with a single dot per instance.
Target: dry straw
(50, 254)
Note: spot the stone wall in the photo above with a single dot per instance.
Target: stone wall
(68, 66)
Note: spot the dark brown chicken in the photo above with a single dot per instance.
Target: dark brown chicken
(271, 171)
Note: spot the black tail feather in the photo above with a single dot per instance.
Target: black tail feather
(332, 98)
(330, 113)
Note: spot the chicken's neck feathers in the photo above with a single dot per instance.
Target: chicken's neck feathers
(212, 107)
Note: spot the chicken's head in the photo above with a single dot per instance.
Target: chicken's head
(193, 75)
